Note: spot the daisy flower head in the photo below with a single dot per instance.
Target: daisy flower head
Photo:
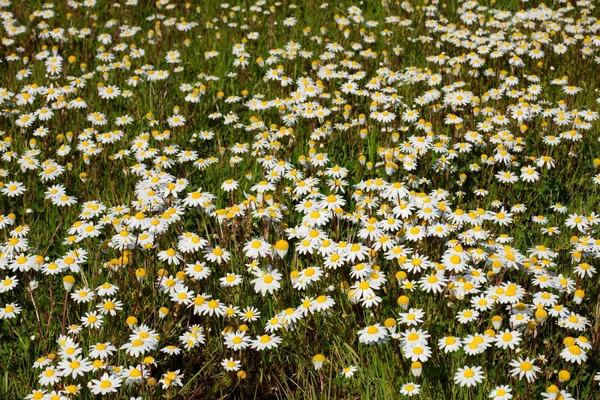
(502, 392)
(372, 334)
(318, 361)
(217, 255)
(410, 389)
(13, 189)
(469, 376)
(257, 248)
(106, 384)
(574, 354)
(449, 344)
(10, 311)
(171, 256)
(349, 371)
(268, 281)
(266, 342)
(230, 364)
(524, 368)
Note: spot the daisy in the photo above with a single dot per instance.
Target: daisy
(318, 361)
(170, 256)
(171, 350)
(349, 371)
(502, 392)
(410, 389)
(481, 302)
(372, 334)
(476, 344)
(266, 281)
(574, 321)
(49, 377)
(582, 342)
(249, 314)
(236, 340)
(229, 185)
(433, 283)
(102, 350)
(8, 283)
(107, 289)
(524, 368)
(180, 294)
(217, 255)
(92, 320)
(198, 270)
(136, 347)
(415, 233)
(507, 177)
(229, 364)
(573, 354)
(559, 208)
(412, 318)
(257, 248)
(417, 352)
(308, 276)
(265, 342)
(106, 384)
(553, 393)
(577, 221)
(135, 374)
(502, 217)
(74, 367)
(583, 270)
(190, 242)
(529, 174)
(109, 92)
(507, 339)
(83, 295)
(230, 280)
(292, 315)
(56, 395)
(110, 306)
(416, 368)
(469, 376)
(449, 344)
(317, 217)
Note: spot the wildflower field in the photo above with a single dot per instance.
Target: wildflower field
(365, 200)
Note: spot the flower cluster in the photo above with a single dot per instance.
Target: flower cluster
(207, 193)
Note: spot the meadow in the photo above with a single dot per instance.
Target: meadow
(349, 200)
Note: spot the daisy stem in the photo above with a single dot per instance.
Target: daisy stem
(12, 342)
(37, 314)
(143, 380)
(64, 314)
(50, 313)
(50, 241)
